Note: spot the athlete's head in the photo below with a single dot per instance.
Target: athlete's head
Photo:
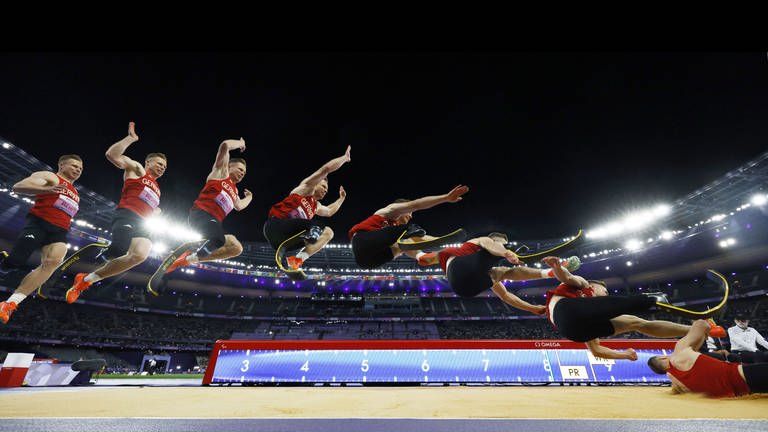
(599, 288)
(237, 169)
(155, 164)
(321, 188)
(499, 237)
(659, 364)
(70, 167)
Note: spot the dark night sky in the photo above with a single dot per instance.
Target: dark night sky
(547, 142)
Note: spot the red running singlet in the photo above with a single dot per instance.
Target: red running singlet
(217, 198)
(140, 195)
(55, 208)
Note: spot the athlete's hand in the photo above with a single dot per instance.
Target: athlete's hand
(512, 257)
(132, 131)
(455, 194)
(539, 309)
(242, 145)
(342, 192)
(553, 262)
(631, 354)
(247, 193)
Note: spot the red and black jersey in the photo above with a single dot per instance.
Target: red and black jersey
(57, 208)
(372, 223)
(295, 206)
(140, 195)
(712, 377)
(218, 198)
(468, 248)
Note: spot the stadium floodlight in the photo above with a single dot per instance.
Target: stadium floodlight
(159, 248)
(759, 199)
(633, 244)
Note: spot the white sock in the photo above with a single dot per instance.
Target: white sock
(302, 255)
(16, 298)
(420, 254)
(192, 258)
(547, 273)
(92, 277)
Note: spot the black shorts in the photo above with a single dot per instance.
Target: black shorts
(128, 224)
(42, 232)
(372, 249)
(756, 376)
(277, 230)
(468, 275)
(585, 318)
(207, 226)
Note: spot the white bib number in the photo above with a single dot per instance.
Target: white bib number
(67, 205)
(150, 197)
(225, 202)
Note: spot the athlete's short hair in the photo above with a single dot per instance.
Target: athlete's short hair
(237, 160)
(500, 235)
(599, 282)
(153, 155)
(62, 158)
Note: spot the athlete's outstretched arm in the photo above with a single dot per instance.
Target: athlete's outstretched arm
(116, 152)
(496, 249)
(604, 352)
(507, 297)
(332, 208)
(306, 185)
(563, 275)
(395, 210)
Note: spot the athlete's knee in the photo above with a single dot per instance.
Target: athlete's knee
(327, 233)
(50, 263)
(234, 244)
(22, 250)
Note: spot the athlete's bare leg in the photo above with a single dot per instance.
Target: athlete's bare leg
(51, 256)
(138, 251)
(231, 248)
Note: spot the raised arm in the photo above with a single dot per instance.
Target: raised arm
(563, 275)
(308, 184)
(221, 164)
(116, 154)
(395, 210)
(331, 209)
(695, 337)
(38, 182)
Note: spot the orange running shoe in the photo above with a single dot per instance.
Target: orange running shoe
(715, 330)
(428, 259)
(78, 287)
(294, 262)
(6, 309)
(181, 261)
